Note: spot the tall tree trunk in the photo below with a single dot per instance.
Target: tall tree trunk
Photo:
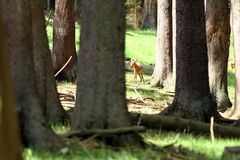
(10, 148)
(64, 38)
(218, 40)
(34, 128)
(236, 34)
(46, 84)
(101, 99)
(192, 95)
(149, 20)
(164, 60)
(77, 10)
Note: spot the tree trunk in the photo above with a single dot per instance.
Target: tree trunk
(101, 99)
(34, 129)
(218, 40)
(149, 20)
(9, 132)
(164, 61)
(64, 38)
(46, 85)
(236, 34)
(77, 10)
(192, 95)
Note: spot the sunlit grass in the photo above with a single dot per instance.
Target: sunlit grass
(201, 144)
(141, 45)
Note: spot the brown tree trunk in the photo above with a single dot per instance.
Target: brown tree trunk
(101, 99)
(34, 129)
(9, 132)
(236, 34)
(192, 95)
(77, 10)
(64, 38)
(149, 20)
(164, 61)
(46, 85)
(218, 40)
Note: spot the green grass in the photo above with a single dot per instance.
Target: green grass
(141, 45)
(199, 144)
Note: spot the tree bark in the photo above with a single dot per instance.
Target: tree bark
(9, 131)
(235, 112)
(218, 40)
(46, 85)
(64, 38)
(149, 20)
(101, 100)
(164, 60)
(34, 129)
(192, 95)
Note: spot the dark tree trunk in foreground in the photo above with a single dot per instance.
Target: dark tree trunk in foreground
(192, 95)
(163, 71)
(9, 132)
(46, 84)
(101, 99)
(218, 40)
(33, 124)
(236, 34)
(77, 10)
(149, 20)
(64, 38)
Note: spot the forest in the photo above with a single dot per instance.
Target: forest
(120, 80)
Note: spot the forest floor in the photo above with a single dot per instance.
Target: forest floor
(141, 97)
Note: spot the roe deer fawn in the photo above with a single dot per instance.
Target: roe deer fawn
(137, 68)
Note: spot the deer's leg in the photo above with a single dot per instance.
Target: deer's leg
(134, 76)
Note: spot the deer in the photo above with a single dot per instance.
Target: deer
(138, 70)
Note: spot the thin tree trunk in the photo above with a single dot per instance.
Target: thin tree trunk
(218, 40)
(64, 38)
(10, 148)
(34, 128)
(101, 100)
(192, 95)
(46, 85)
(149, 20)
(164, 63)
(235, 112)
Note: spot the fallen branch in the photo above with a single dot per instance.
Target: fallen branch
(63, 66)
(179, 124)
(105, 132)
(138, 94)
